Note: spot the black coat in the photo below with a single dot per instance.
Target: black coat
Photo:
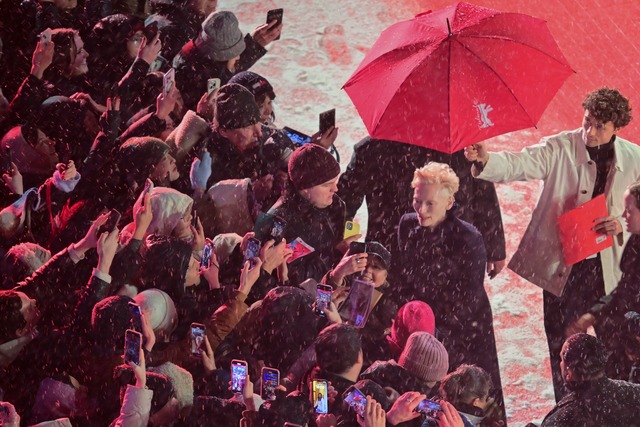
(381, 171)
(194, 67)
(445, 267)
(601, 403)
(320, 228)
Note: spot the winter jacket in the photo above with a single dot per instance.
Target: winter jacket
(319, 228)
(381, 171)
(445, 267)
(136, 406)
(194, 67)
(227, 208)
(599, 403)
(563, 164)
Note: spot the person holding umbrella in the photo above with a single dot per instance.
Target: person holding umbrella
(441, 260)
(575, 166)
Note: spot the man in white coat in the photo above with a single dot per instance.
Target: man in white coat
(575, 166)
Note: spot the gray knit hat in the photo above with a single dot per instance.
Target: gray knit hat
(221, 36)
(425, 357)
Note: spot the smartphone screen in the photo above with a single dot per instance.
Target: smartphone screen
(205, 262)
(351, 229)
(327, 120)
(356, 400)
(323, 297)
(197, 338)
(428, 408)
(319, 398)
(270, 380)
(212, 84)
(252, 251)
(275, 15)
(277, 229)
(297, 137)
(238, 375)
(112, 222)
(132, 344)
(136, 315)
(168, 81)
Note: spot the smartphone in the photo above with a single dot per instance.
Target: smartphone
(111, 224)
(212, 84)
(356, 400)
(251, 251)
(132, 345)
(238, 375)
(319, 398)
(275, 15)
(270, 380)
(148, 186)
(357, 248)
(45, 36)
(136, 315)
(7, 166)
(197, 338)
(296, 136)
(194, 219)
(323, 297)
(168, 80)
(277, 229)
(150, 31)
(428, 408)
(327, 120)
(351, 229)
(205, 262)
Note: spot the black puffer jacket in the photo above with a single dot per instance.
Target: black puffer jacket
(319, 228)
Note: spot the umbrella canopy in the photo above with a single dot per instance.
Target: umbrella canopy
(450, 78)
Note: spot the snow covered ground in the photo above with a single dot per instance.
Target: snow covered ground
(323, 42)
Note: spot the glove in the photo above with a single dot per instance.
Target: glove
(200, 172)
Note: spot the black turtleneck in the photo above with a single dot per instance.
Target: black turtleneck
(603, 156)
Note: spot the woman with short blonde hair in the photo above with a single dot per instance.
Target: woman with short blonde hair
(437, 173)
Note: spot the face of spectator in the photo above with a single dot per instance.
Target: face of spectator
(431, 202)
(631, 213)
(47, 148)
(65, 4)
(375, 272)
(266, 109)
(165, 169)
(244, 138)
(78, 65)
(204, 7)
(30, 313)
(133, 44)
(595, 132)
(321, 195)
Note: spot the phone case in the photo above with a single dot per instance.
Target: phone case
(351, 229)
(327, 120)
(319, 391)
(270, 380)
(197, 337)
(132, 344)
(238, 375)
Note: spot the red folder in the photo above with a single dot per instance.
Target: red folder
(578, 239)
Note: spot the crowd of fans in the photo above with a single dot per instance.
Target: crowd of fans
(143, 201)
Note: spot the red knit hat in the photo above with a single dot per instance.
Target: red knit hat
(414, 316)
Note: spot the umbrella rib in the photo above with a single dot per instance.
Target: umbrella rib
(480, 36)
(498, 76)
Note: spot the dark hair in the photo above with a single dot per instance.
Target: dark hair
(11, 319)
(294, 408)
(338, 347)
(634, 190)
(585, 355)
(465, 384)
(608, 105)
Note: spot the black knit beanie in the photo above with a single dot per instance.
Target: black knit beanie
(110, 320)
(139, 155)
(312, 165)
(236, 107)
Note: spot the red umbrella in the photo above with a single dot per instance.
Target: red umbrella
(450, 78)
